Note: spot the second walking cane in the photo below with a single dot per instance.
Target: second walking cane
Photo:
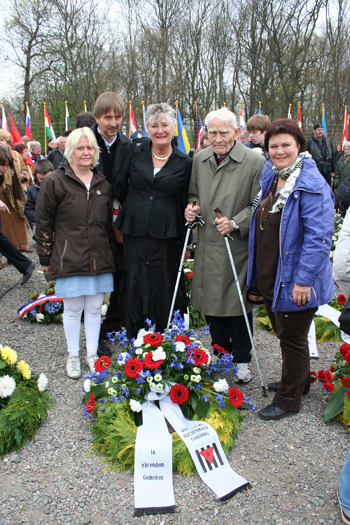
(227, 237)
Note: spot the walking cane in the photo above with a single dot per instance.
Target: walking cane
(227, 237)
(189, 225)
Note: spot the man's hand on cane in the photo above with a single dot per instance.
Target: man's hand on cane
(191, 212)
(224, 225)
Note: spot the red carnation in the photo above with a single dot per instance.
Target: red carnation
(221, 349)
(179, 394)
(50, 292)
(332, 368)
(344, 349)
(189, 275)
(235, 397)
(90, 404)
(322, 375)
(34, 296)
(153, 339)
(341, 299)
(183, 339)
(102, 363)
(149, 363)
(329, 375)
(133, 367)
(42, 308)
(200, 357)
(329, 386)
(345, 381)
(347, 357)
(348, 393)
(313, 376)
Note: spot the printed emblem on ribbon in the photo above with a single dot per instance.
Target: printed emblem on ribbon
(209, 457)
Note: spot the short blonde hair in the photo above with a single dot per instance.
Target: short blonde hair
(6, 136)
(73, 140)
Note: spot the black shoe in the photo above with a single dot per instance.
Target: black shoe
(103, 349)
(28, 273)
(273, 387)
(274, 412)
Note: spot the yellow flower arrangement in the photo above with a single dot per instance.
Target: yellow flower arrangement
(24, 368)
(8, 355)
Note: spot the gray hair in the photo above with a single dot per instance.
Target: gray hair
(222, 114)
(346, 143)
(33, 144)
(157, 111)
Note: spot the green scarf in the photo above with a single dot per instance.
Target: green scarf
(285, 172)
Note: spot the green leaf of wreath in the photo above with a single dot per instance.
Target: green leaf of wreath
(335, 406)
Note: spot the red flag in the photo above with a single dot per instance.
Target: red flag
(345, 130)
(133, 127)
(299, 120)
(16, 137)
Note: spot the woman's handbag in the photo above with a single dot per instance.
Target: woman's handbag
(344, 318)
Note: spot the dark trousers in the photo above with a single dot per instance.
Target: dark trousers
(292, 329)
(112, 320)
(231, 333)
(9, 250)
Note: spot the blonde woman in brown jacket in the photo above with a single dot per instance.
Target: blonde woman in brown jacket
(73, 217)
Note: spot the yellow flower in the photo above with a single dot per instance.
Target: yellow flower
(9, 355)
(24, 368)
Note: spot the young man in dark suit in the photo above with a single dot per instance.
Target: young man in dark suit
(114, 147)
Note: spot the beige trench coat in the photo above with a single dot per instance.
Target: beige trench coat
(232, 187)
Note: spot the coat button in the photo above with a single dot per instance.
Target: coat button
(151, 198)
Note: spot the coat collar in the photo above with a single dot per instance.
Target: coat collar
(143, 159)
(309, 179)
(96, 177)
(236, 153)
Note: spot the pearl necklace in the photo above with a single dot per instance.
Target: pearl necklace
(160, 158)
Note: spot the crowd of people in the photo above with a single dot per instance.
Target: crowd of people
(110, 214)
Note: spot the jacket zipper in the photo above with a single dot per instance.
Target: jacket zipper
(313, 289)
(63, 253)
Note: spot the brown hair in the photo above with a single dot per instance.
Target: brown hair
(107, 101)
(42, 167)
(6, 136)
(5, 157)
(19, 147)
(85, 119)
(203, 136)
(285, 125)
(258, 122)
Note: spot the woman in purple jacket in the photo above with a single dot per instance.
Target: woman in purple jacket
(289, 243)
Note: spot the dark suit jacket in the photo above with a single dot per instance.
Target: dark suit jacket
(153, 205)
(123, 145)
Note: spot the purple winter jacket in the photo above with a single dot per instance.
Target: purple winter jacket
(306, 232)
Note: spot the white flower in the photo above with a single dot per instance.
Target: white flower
(144, 332)
(144, 354)
(160, 387)
(42, 382)
(87, 385)
(193, 377)
(139, 351)
(198, 378)
(122, 358)
(180, 346)
(39, 318)
(157, 377)
(187, 270)
(209, 356)
(221, 386)
(112, 392)
(152, 385)
(138, 342)
(149, 379)
(107, 384)
(104, 309)
(115, 379)
(7, 386)
(135, 405)
(158, 354)
(197, 370)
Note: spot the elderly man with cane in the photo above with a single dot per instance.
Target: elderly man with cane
(225, 175)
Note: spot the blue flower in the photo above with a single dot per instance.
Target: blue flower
(138, 390)
(53, 307)
(148, 321)
(33, 311)
(204, 398)
(101, 376)
(219, 397)
(122, 398)
(102, 401)
(103, 410)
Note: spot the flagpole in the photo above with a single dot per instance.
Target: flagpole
(224, 104)
(45, 126)
(85, 106)
(290, 111)
(239, 118)
(195, 103)
(143, 114)
(176, 128)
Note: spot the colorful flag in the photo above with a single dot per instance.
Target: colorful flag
(4, 124)
(241, 119)
(48, 127)
(324, 121)
(132, 122)
(144, 117)
(345, 130)
(299, 119)
(16, 137)
(290, 111)
(184, 145)
(28, 131)
(68, 128)
(200, 130)
(259, 112)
